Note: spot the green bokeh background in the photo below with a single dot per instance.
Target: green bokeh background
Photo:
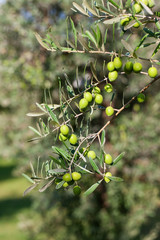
(124, 211)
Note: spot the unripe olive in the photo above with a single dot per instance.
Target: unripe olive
(65, 184)
(64, 130)
(76, 176)
(107, 174)
(62, 137)
(136, 25)
(84, 151)
(57, 180)
(77, 190)
(112, 76)
(108, 159)
(140, 97)
(67, 177)
(151, 3)
(109, 111)
(137, 7)
(83, 103)
(125, 21)
(145, 2)
(88, 96)
(91, 154)
(137, 67)
(98, 99)
(128, 67)
(110, 66)
(117, 63)
(108, 88)
(96, 90)
(152, 72)
(73, 139)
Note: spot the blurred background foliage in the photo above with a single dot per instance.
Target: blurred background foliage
(125, 211)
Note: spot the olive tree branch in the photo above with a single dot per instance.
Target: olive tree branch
(123, 107)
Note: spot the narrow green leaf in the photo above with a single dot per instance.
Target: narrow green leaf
(83, 42)
(28, 178)
(47, 185)
(114, 3)
(60, 184)
(141, 42)
(99, 37)
(92, 188)
(94, 165)
(52, 115)
(157, 24)
(80, 9)
(55, 160)
(131, 23)
(71, 44)
(147, 30)
(112, 20)
(35, 114)
(116, 179)
(103, 138)
(83, 168)
(91, 37)
(104, 10)
(35, 130)
(29, 189)
(90, 9)
(156, 50)
(117, 159)
(57, 171)
(74, 32)
(61, 152)
(41, 107)
(148, 10)
(105, 36)
(39, 39)
(147, 44)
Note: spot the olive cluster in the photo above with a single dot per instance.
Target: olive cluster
(137, 8)
(113, 68)
(64, 135)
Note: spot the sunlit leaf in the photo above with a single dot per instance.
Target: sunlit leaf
(80, 9)
(29, 189)
(57, 171)
(52, 115)
(39, 39)
(92, 188)
(28, 178)
(47, 185)
(60, 184)
(117, 159)
(156, 49)
(115, 179)
(94, 165)
(35, 130)
(90, 9)
(148, 10)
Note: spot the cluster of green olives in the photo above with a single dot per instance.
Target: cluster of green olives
(137, 7)
(70, 179)
(64, 135)
(107, 159)
(98, 98)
